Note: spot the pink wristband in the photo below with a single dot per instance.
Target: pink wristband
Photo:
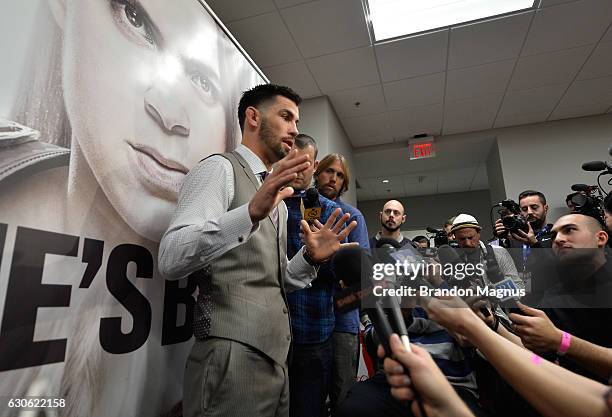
(566, 338)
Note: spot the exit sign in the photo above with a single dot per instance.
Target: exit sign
(422, 148)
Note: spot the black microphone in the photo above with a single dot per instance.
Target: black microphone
(595, 166)
(583, 187)
(352, 262)
(349, 264)
(384, 331)
(432, 230)
(387, 242)
(448, 255)
(400, 324)
(312, 205)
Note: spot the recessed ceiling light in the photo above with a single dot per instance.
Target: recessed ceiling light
(385, 181)
(393, 18)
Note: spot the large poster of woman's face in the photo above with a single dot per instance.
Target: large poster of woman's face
(105, 105)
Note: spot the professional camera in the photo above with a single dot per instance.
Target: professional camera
(589, 199)
(440, 238)
(511, 216)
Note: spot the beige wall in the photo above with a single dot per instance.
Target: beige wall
(433, 210)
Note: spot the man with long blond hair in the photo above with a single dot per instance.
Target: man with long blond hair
(332, 179)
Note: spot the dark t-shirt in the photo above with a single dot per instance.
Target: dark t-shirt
(583, 308)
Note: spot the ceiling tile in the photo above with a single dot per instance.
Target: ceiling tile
(410, 57)
(489, 41)
(564, 26)
(454, 187)
(371, 100)
(361, 142)
(410, 180)
(479, 80)
(282, 4)
(296, 75)
(550, 68)
(599, 64)
(395, 185)
(458, 176)
(229, 10)
(579, 111)
(344, 70)
(548, 3)
(266, 39)
(422, 189)
(324, 27)
(369, 129)
(470, 114)
(405, 123)
(505, 120)
(540, 100)
(416, 91)
(585, 92)
(608, 36)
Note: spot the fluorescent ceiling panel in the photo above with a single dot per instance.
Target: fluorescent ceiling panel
(393, 18)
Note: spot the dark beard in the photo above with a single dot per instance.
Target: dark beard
(389, 229)
(537, 224)
(327, 193)
(269, 138)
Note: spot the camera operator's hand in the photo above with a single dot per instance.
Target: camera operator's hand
(536, 330)
(500, 229)
(436, 394)
(521, 236)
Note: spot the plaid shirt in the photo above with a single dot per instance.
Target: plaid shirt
(312, 309)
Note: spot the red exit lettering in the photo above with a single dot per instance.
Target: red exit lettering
(422, 150)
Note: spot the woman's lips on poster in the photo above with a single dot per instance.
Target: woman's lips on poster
(158, 172)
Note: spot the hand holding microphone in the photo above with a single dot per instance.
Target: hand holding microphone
(435, 394)
(312, 205)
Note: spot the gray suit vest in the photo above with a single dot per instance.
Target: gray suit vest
(241, 294)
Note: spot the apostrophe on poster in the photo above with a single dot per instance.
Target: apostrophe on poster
(26, 293)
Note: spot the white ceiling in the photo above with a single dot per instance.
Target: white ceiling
(548, 64)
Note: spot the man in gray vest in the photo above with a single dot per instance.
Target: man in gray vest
(230, 224)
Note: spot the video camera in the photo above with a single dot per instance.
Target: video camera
(440, 237)
(589, 199)
(511, 216)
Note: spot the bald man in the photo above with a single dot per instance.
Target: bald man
(574, 322)
(391, 217)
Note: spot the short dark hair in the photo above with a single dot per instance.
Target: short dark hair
(261, 94)
(608, 203)
(303, 140)
(530, 193)
(421, 238)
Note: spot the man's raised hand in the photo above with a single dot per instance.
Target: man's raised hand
(323, 240)
(274, 189)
